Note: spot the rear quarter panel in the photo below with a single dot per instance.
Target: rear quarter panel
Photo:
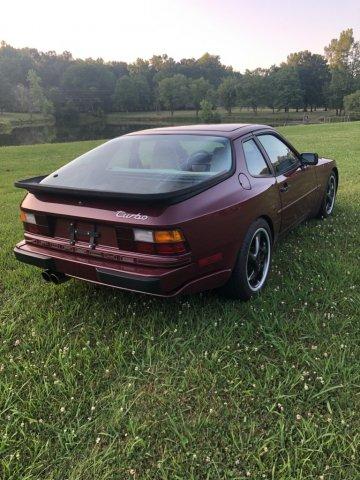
(323, 170)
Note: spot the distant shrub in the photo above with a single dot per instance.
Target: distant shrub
(352, 103)
(207, 113)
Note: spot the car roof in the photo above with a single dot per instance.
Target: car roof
(229, 130)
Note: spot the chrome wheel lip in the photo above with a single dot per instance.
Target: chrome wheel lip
(330, 195)
(266, 265)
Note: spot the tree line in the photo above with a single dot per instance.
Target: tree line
(34, 81)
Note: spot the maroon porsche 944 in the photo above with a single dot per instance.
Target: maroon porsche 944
(174, 210)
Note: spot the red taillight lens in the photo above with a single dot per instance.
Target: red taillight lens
(161, 248)
(144, 247)
(35, 223)
(170, 248)
(159, 242)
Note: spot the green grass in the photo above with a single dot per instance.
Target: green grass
(100, 384)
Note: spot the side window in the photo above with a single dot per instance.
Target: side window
(282, 158)
(254, 160)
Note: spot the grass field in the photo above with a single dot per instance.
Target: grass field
(100, 384)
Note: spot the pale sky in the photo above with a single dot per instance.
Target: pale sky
(245, 33)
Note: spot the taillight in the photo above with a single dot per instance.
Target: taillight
(160, 242)
(27, 217)
(35, 223)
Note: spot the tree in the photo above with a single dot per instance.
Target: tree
(252, 88)
(90, 86)
(50, 67)
(21, 96)
(199, 89)
(339, 52)
(314, 76)
(6, 94)
(338, 89)
(174, 92)
(352, 103)
(163, 66)
(132, 93)
(227, 92)
(15, 63)
(210, 67)
(125, 96)
(207, 112)
(343, 55)
(119, 69)
(141, 67)
(289, 93)
(37, 99)
(270, 88)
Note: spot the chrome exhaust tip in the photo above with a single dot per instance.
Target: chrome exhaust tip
(46, 275)
(58, 277)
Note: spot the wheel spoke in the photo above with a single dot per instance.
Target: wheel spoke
(257, 245)
(251, 276)
(252, 257)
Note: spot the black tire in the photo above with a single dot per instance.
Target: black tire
(239, 286)
(328, 200)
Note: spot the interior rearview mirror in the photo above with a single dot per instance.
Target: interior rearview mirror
(309, 158)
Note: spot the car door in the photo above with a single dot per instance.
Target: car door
(296, 183)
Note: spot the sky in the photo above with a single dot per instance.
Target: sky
(245, 33)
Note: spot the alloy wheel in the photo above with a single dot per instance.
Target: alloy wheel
(258, 259)
(330, 194)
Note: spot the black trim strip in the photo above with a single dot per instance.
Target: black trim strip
(34, 259)
(129, 281)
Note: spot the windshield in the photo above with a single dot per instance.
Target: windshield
(147, 164)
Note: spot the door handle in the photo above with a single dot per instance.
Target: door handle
(284, 187)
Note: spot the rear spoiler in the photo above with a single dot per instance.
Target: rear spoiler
(33, 185)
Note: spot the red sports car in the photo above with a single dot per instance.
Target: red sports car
(174, 210)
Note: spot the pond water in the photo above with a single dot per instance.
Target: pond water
(66, 133)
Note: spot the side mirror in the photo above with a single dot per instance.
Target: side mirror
(309, 158)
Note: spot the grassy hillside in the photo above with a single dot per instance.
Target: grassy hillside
(100, 384)
(9, 121)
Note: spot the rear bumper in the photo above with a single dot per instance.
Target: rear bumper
(32, 258)
(165, 282)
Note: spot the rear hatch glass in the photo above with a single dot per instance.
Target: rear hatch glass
(147, 165)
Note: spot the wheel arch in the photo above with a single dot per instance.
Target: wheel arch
(336, 171)
(271, 225)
